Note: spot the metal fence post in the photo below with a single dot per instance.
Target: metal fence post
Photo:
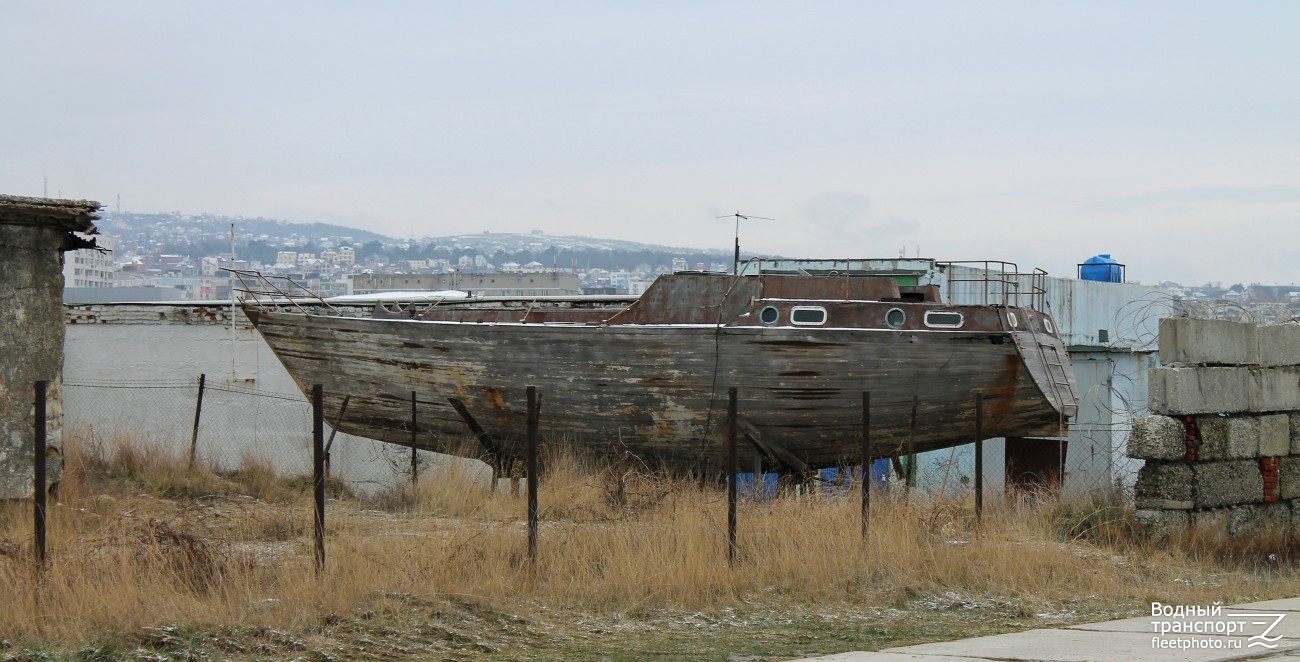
(866, 462)
(38, 495)
(979, 457)
(318, 469)
(534, 413)
(198, 411)
(731, 475)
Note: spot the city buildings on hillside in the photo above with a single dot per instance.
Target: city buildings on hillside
(516, 283)
(174, 257)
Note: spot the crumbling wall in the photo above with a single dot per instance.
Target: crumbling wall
(1222, 446)
(31, 347)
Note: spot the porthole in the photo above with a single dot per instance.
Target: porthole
(808, 315)
(1011, 319)
(895, 318)
(940, 319)
(769, 315)
(1047, 324)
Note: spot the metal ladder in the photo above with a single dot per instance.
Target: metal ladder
(1065, 393)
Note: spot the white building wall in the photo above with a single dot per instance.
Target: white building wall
(89, 267)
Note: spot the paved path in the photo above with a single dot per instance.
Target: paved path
(1128, 639)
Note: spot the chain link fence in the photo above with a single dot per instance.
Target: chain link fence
(226, 427)
(235, 425)
(238, 426)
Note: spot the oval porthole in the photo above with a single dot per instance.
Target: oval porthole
(808, 315)
(940, 319)
(769, 315)
(1047, 324)
(1011, 319)
(895, 318)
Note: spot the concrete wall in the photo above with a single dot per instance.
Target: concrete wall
(1128, 312)
(31, 347)
(132, 371)
(1222, 450)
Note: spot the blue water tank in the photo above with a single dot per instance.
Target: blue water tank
(1102, 268)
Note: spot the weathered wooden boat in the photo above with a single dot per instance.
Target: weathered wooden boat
(651, 374)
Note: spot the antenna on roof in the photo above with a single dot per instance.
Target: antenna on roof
(735, 265)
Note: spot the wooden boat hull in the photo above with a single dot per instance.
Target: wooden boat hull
(660, 391)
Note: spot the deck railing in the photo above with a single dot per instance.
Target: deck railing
(280, 292)
(1001, 283)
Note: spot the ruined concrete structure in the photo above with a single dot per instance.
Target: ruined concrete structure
(34, 233)
(1222, 448)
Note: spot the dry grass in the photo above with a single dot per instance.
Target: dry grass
(140, 541)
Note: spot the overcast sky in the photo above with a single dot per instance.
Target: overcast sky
(1165, 133)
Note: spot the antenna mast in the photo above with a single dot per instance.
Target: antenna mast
(233, 337)
(735, 263)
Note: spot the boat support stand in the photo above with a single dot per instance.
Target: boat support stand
(771, 447)
(496, 455)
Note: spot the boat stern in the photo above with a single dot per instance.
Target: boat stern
(1044, 354)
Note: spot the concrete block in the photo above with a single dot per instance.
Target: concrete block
(1274, 389)
(1164, 481)
(1157, 438)
(1161, 524)
(1288, 477)
(1279, 344)
(1211, 523)
(1228, 438)
(1181, 391)
(1250, 520)
(1162, 504)
(1295, 432)
(1213, 390)
(1274, 435)
(1263, 520)
(1188, 341)
(1227, 483)
(1294, 505)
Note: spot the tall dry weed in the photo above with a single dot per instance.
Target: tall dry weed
(139, 538)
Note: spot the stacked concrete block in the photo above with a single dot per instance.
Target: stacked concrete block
(1243, 521)
(1165, 486)
(1178, 390)
(1222, 448)
(1234, 483)
(1223, 438)
(1279, 345)
(1288, 477)
(1162, 524)
(1188, 341)
(1212, 366)
(1157, 438)
(1295, 432)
